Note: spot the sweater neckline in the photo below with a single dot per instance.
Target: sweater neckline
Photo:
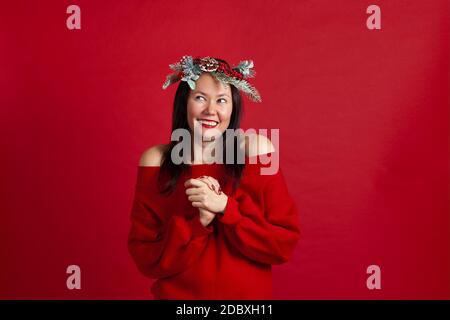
(214, 164)
(199, 165)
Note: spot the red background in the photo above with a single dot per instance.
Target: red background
(363, 118)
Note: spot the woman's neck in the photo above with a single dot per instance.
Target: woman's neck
(203, 152)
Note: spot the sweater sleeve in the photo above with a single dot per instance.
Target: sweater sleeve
(163, 249)
(265, 230)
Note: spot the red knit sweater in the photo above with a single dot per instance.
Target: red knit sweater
(231, 258)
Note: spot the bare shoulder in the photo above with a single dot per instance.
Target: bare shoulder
(152, 157)
(256, 144)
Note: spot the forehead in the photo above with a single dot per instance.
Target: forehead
(210, 85)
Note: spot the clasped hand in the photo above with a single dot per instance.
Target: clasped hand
(206, 195)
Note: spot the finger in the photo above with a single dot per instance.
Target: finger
(196, 198)
(190, 183)
(198, 205)
(213, 179)
(206, 182)
(193, 191)
(205, 177)
(212, 186)
(214, 182)
(193, 183)
(209, 181)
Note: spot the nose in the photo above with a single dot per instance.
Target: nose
(210, 108)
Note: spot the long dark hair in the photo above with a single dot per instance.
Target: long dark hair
(170, 172)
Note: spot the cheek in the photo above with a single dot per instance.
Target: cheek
(226, 116)
(190, 116)
(192, 111)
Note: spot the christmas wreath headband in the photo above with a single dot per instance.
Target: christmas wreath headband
(189, 70)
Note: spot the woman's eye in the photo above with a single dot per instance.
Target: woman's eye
(201, 98)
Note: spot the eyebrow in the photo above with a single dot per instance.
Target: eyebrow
(220, 95)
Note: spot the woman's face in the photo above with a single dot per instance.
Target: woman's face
(209, 106)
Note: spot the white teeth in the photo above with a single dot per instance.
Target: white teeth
(209, 123)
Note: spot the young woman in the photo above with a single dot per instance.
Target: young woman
(205, 229)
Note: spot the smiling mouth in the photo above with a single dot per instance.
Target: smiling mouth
(208, 123)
